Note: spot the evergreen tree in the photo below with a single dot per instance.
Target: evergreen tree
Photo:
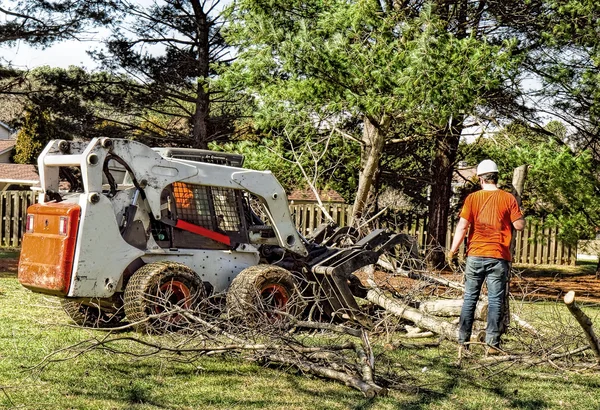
(410, 68)
(34, 133)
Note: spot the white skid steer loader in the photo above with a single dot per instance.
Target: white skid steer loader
(139, 228)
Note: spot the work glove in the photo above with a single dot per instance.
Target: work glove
(451, 259)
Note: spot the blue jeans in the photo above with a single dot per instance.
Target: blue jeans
(479, 269)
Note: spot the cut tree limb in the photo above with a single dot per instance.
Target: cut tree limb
(369, 390)
(585, 322)
(452, 307)
(450, 284)
(422, 320)
(415, 335)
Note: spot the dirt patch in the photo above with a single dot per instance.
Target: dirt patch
(8, 265)
(535, 285)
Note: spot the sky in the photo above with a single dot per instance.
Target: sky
(63, 54)
(66, 53)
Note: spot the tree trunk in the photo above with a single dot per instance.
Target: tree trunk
(373, 141)
(200, 118)
(518, 185)
(441, 192)
(200, 131)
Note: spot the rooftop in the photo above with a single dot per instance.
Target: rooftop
(462, 175)
(3, 125)
(307, 194)
(18, 172)
(7, 144)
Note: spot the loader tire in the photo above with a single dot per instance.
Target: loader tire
(155, 289)
(259, 292)
(91, 316)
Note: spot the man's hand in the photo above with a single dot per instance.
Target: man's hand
(450, 258)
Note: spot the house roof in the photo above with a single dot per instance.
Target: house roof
(19, 173)
(307, 194)
(5, 145)
(3, 125)
(464, 174)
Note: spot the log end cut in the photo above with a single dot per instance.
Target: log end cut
(570, 298)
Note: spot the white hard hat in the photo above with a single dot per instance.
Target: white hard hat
(486, 166)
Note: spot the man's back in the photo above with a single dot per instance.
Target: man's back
(490, 214)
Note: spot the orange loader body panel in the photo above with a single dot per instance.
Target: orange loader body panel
(46, 260)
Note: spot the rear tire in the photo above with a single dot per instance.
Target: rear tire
(258, 292)
(158, 287)
(91, 316)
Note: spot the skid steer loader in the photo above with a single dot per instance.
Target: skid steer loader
(124, 230)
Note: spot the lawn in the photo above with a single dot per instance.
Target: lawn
(32, 326)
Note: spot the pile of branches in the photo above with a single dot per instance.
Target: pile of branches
(325, 346)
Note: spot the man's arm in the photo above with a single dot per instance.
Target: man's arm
(459, 235)
(519, 224)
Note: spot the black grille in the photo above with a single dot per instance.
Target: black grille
(200, 155)
(217, 209)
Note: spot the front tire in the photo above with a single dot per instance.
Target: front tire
(259, 292)
(157, 288)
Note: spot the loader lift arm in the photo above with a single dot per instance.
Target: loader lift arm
(154, 172)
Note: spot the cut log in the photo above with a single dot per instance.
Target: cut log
(524, 325)
(452, 307)
(415, 335)
(420, 319)
(585, 322)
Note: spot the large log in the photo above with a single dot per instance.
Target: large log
(452, 307)
(585, 322)
(422, 320)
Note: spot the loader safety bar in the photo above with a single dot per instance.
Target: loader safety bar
(199, 230)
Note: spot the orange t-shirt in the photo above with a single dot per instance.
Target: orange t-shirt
(490, 214)
(183, 195)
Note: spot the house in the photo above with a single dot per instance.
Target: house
(5, 131)
(463, 175)
(6, 149)
(13, 176)
(18, 177)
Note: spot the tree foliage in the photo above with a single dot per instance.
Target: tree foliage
(35, 132)
(351, 59)
(41, 22)
(168, 49)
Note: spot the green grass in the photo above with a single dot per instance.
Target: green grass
(32, 326)
(9, 253)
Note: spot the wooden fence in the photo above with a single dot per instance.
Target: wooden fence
(534, 245)
(13, 213)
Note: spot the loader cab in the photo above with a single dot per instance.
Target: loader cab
(201, 217)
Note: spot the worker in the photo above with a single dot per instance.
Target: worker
(490, 213)
(184, 196)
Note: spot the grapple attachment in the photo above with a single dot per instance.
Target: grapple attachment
(333, 267)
